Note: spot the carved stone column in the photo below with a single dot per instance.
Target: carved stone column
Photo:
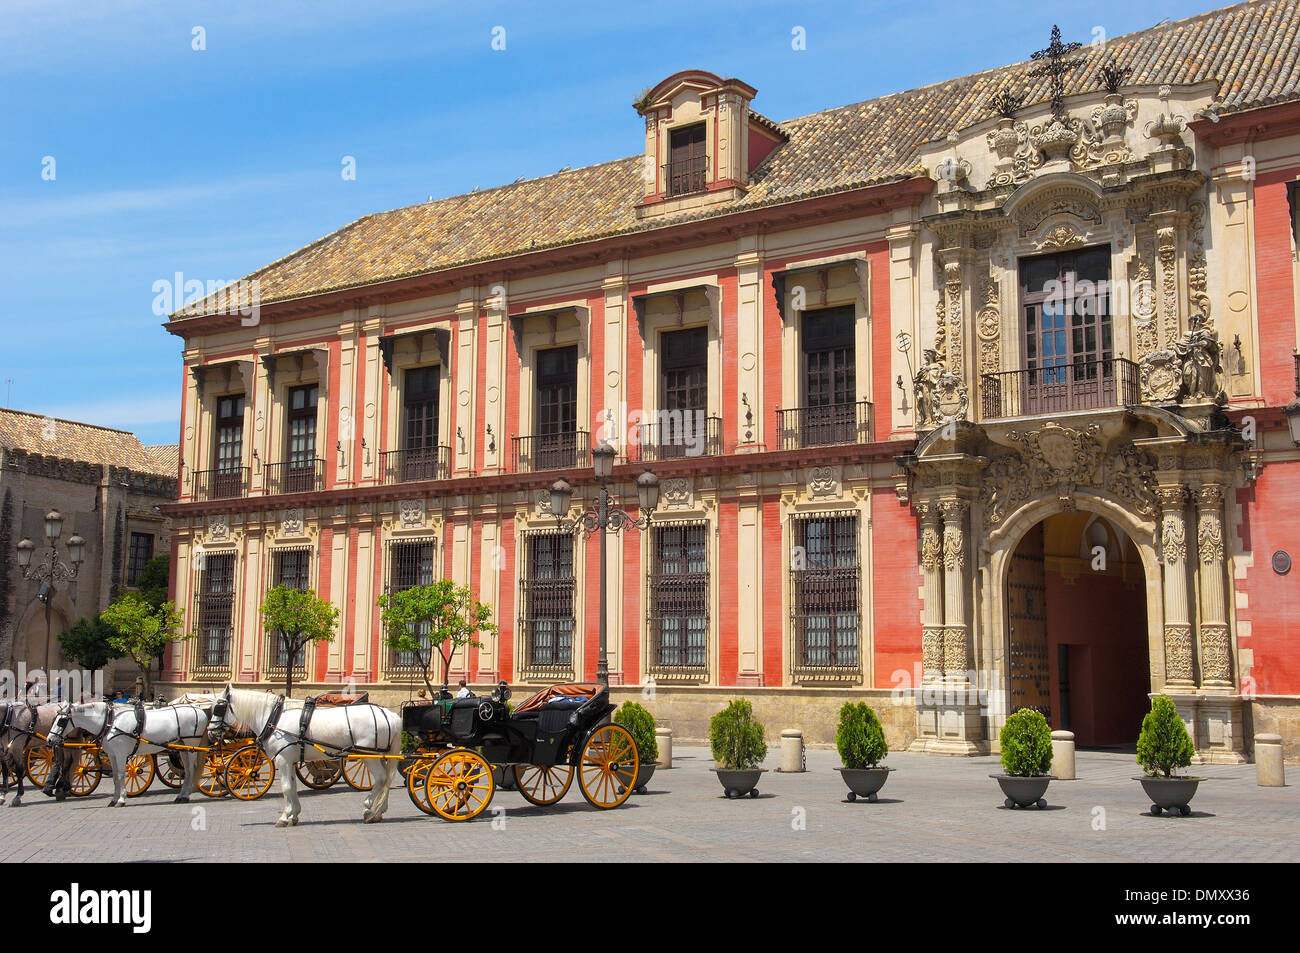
(1180, 667)
(1219, 724)
(1216, 646)
(957, 661)
(932, 639)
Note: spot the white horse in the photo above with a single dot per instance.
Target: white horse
(121, 737)
(363, 728)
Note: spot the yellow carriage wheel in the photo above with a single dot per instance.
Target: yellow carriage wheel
(416, 777)
(139, 774)
(212, 778)
(249, 773)
(358, 774)
(459, 785)
(318, 775)
(86, 772)
(607, 770)
(171, 770)
(40, 762)
(543, 784)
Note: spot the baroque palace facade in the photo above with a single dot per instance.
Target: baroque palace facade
(961, 400)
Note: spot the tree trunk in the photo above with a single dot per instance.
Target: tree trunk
(289, 653)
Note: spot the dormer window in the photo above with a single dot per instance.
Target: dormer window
(688, 161)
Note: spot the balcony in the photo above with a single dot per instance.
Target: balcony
(411, 466)
(679, 435)
(227, 483)
(686, 175)
(296, 476)
(561, 451)
(1087, 385)
(828, 425)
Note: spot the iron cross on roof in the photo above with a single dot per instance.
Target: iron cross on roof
(1055, 68)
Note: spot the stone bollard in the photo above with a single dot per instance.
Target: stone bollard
(791, 750)
(1063, 755)
(664, 739)
(1269, 771)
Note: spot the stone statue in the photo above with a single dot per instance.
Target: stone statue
(1199, 356)
(925, 386)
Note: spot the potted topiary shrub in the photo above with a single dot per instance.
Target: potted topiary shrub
(738, 748)
(1026, 758)
(861, 743)
(1164, 745)
(640, 724)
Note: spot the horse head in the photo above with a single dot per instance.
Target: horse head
(221, 720)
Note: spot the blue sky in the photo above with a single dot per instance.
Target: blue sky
(217, 161)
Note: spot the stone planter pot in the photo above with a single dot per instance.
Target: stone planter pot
(1170, 794)
(1023, 792)
(864, 782)
(737, 782)
(644, 772)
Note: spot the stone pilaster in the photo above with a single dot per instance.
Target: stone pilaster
(1180, 662)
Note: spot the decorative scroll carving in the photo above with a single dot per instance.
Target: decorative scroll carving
(1197, 273)
(291, 523)
(988, 327)
(1178, 653)
(952, 293)
(219, 527)
(1216, 653)
(932, 651)
(930, 548)
(824, 482)
(1209, 537)
(676, 493)
(1166, 248)
(954, 549)
(1131, 477)
(1161, 376)
(411, 513)
(1173, 539)
(1147, 338)
(1057, 454)
(1062, 236)
(955, 657)
(1075, 204)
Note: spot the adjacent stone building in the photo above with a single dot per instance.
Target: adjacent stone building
(964, 399)
(109, 488)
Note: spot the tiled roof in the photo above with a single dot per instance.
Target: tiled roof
(1252, 50)
(85, 443)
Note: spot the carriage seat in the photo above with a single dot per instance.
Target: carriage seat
(334, 699)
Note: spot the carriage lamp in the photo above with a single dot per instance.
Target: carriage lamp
(602, 520)
(25, 550)
(76, 549)
(53, 525)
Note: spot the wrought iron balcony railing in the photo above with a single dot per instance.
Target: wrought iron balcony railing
(410, 466)
(686, 175)
(1086, 385)
(296, 476)
(560, 451)
(222, 484)
(679, 434)
(831, 424)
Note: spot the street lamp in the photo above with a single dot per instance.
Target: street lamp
(49, 570)
(602, 520)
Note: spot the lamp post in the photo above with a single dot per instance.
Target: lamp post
(50, 570)
(602, 520)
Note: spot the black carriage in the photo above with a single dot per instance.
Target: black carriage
(560, 732)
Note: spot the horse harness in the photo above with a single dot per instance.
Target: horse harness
(304, 723)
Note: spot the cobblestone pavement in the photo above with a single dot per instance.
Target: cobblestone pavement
(932, 809)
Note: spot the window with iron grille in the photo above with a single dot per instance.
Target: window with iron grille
(678, 587)
(824, 594)
(410, 564)
(141, 553)
(290, 568)
(215, 610)
(548, 588)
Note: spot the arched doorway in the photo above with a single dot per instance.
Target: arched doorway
(1077, 628)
